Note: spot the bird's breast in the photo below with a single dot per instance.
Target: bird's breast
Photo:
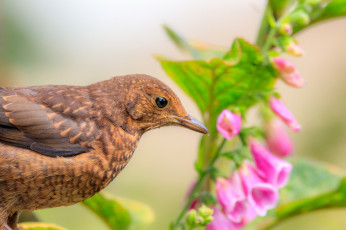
(30, 181)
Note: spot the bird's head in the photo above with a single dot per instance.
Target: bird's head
(152, 104)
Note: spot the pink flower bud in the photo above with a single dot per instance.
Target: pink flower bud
(284, 114)
(293, 79)
(228, 124)
(277, 139)
(288, 72)
(285, 29)
(294, 49)
(283, 66)
(231, 197)
(261, 195)
(221, 222)
(272, 169)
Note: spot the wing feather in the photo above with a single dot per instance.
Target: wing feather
(27, 123)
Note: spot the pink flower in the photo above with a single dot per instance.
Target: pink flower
(261, 195)
(250, 215)
(273, 169)
(221, 222)
(288, 72)
(231, 197)
(285, 115)
(294, 49)
(277, 139)
(228, 124)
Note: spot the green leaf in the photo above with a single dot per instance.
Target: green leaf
(197, 50)
(313, 186)
(253, 131)
(181, 42)
(194, 77)
(39, 226)
(238, 80)
(141, 214)
(321, 12)
(333, 9)
(280, 7)
(310, 178)
(119, 213)
(110, 211)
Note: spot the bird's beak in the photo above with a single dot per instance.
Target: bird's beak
(192, 123)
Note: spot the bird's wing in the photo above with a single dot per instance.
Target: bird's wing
(28, 124)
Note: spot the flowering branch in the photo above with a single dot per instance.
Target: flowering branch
(225, 86)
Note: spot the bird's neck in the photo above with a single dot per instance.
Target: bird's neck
(110, 102)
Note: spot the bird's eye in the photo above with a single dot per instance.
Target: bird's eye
(161, 102)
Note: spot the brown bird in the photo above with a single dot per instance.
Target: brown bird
(60, 145)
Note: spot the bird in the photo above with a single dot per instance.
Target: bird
(61, 144)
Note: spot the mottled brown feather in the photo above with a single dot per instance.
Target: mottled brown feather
(62, 144)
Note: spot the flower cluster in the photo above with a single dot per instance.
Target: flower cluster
(253, 187)
(251, 190)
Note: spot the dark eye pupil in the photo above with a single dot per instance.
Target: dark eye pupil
(161, 102)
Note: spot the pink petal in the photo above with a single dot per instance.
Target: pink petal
(277, 139)
(273, 169)
(232, 201)
(283, 66)
(293, 79)
(250, 215)
(294, 126)
(262, 196)
(221, 222)
(228, 124)
(294, 49)
(282, 112)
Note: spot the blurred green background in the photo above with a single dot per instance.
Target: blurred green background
(81, 42)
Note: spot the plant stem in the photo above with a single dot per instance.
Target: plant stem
(242, 138)
(200, 181)
(263, 31)
(209, 145)
(270, 39)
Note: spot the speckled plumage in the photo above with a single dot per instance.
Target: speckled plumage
(62, 144)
